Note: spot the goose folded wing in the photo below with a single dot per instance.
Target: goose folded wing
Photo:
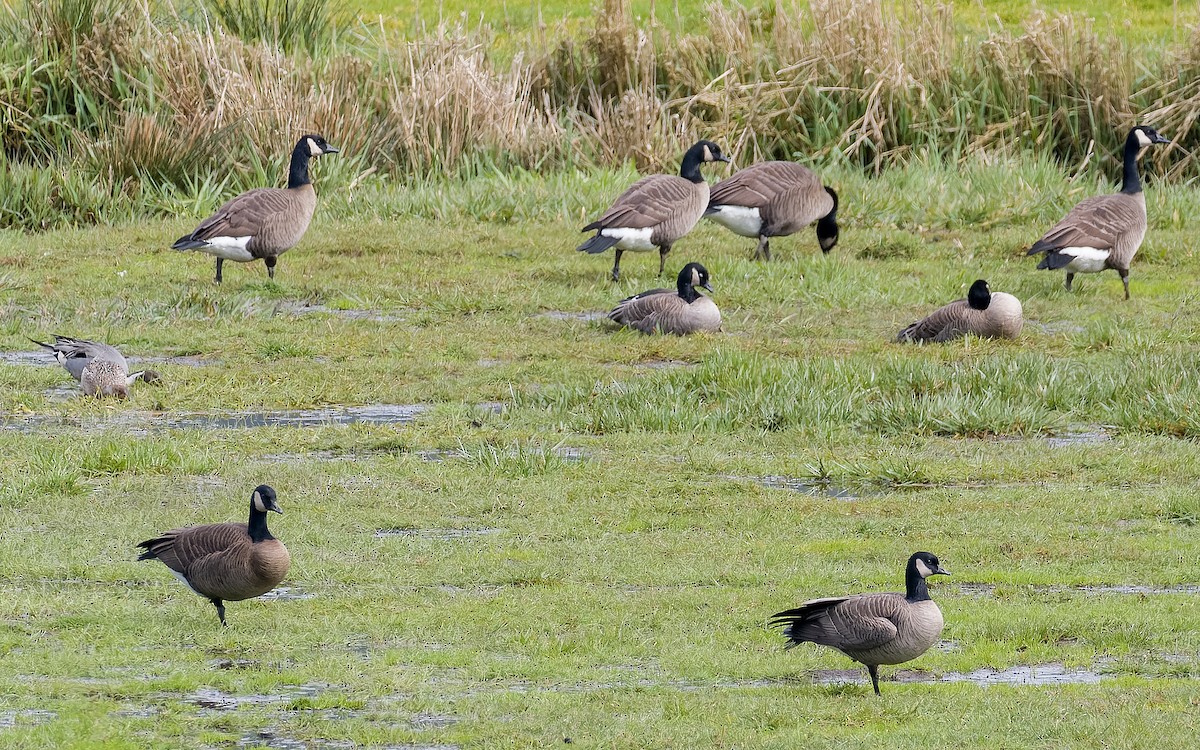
(647, 203)
(755, 187)
(1096, 222)
(641, 306)
(243, 216)
(941, 322)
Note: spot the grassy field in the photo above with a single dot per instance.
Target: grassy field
(581, 535)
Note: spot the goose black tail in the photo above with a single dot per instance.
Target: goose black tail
(597, 244)
(187, 242)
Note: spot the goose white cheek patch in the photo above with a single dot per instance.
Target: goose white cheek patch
(923, 569)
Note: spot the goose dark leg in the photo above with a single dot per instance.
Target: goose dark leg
(616, 274)
(1125, 281)
(220, 610)
(270, 266)
(1070, 278)
(873, 670)
(662, 258)
(763, 252)
(220, 262)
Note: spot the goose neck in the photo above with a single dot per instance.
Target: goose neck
(1131, 182)
(257, 527)
(915, 589)
(298, 169)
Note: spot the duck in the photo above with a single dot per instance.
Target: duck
(656, 211)
(99, 368)
(679, 311)
(872, 629)
(226, 561)
(264, 222)
(985, 313)
(1104, 231)
(775, 199)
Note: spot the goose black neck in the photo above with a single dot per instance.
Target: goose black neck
(298, 171)
(689, 169)
(915, 589)
(687, 291)
(827, 226)
(258, 525)
(1131, 182)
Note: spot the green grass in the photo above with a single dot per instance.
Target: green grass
(597, 562)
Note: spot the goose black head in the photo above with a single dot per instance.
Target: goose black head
(827, 226)
(1144, 135)
(926, 564)
(316, 145)
(710, 151)
(694, 275)
(979, 296)
(263, 499)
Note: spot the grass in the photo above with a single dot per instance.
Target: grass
(596, 562)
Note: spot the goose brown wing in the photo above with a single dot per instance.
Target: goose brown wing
(634, 310)
(244, 215)
(755, 186)
(189, 550)
(854, 623)
(647, 203)
(1096, 222)
(947, 318)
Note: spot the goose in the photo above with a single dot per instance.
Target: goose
(99, 368)
(655, 211)
(775, 199)
(872, 629)
(264, 222)
(680, 311)
(994, 315)
(226, 561)
(1104, 231)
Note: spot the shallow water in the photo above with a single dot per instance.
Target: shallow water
(27, 717)
(810, 487)
(1033, 675)
(297, 309)
(375, 414)
(586, 317)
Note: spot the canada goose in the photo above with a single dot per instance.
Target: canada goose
(1104, 231)
(264, 222)
(872, 629)
(680, 311)
(775, 199)
(99, 368)
(984, 313)
(656, 211)
(226, 561)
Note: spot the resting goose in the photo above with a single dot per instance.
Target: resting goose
(775, 199)
(872, 629)
(1104, 231)
(995, 315)
(226, 561)
(264, 222)
(99, 368)
(680, 311)
(655, 211)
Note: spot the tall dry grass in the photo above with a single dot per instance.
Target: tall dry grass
(168, 98)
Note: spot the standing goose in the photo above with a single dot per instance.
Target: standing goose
(680, 311)
(99, 368)
(226, 561)
(1104, 231)
(775, 199)
(264, 222)
(984, 313)
(872, 629)
(655, 211)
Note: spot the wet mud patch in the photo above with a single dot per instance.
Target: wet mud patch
(287, 594)
(1082, 435)
(26, 717)
(663, 364)
(1034, 675)
(375, 414)
(811, 487)
(1129, 589)
(440, 534)
(300, 309)
(37, 358)
(586, 317)
(269, 738)
(217, 700)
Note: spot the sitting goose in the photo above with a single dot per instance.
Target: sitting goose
(264, 222)
(775, 199)
(872, 629)
(655, 211)
(226, 561)
(1104, 231)
(984, 313)
(680, 311)
(99, 368)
